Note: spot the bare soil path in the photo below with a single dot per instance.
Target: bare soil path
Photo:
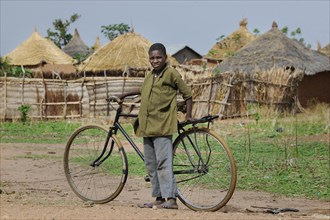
(34, 187)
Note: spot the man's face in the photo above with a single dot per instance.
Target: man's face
(157, 59)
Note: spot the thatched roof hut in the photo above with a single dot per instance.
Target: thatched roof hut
(36, 50)
(274, 49)
(127, 51)
(97, 44)
(76, 46)
(325, 50)
(127, 54)
(229, 45)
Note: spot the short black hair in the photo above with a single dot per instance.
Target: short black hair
(158, 46)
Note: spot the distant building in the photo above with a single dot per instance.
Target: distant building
(186, 54)
(229, 45)
(77, 47)
(274, 50)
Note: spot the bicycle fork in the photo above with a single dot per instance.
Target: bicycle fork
(98, 161)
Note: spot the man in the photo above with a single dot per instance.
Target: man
(156, 123)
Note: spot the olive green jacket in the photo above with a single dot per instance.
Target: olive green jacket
(158, 110)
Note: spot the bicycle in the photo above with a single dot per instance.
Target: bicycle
(96, 165)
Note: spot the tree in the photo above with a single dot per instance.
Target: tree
(295, 35)
(114, 30)
(221, 37)
(13, 71)
(256, 31)
(60, 35)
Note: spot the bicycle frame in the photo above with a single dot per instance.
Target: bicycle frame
(199, 168)
(113, 130)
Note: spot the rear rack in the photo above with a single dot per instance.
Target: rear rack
(193, 122)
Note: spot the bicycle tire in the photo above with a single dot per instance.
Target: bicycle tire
(102, 183)
(207, 185)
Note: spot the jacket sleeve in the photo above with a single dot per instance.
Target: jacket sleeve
(181, 85)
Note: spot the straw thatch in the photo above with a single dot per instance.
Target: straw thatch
(325, 50)
(97, 44)
(76, 46)
(231, 43)
(275, 49)
(36, 50)
(129, 50)
(57, 71)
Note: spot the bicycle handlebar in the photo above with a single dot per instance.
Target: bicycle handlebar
(120, 100)
(208, 118)
(204, 119)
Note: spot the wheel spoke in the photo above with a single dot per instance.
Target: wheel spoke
(101, 183)
(213, 180)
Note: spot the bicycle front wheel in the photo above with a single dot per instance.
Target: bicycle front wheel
(204, 169)
(98, 182)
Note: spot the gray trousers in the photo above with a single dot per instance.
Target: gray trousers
(158, 155)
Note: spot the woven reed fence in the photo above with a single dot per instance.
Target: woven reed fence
(226, 95)
(50, 99)
(230, 94)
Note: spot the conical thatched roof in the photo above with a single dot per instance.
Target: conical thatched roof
(76, 46)
(127, 50)
(36, 50)
(97, 44)
(274, 48)
(231, 43)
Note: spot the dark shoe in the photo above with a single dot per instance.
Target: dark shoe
(151, 204)
(169, 204)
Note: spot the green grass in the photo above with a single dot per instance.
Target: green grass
(278, 153)
(41, 132)
(281, 153)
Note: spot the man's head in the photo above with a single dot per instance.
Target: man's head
(157, 56)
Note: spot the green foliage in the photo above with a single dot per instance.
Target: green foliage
(296, 35)
(24, 109)
(4, 66)
(114, 30)
(229, 54)
(285, 30)
(217, 71)
(237, 38)
(221, 38)
(80, 57)
(60, 35)
(253, 111)
(12, 71)
(256, 31)
(212, 52)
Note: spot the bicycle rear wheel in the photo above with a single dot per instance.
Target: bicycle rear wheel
(98, 183)
(204, 169)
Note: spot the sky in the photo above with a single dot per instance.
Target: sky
(175, 23)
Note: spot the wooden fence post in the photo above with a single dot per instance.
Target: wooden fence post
(81, 98)
(225, 100)
(45, 101)
(5, 98)
(23, 79)
(107, 91)
(94, 92)
(65, 99)
(210, 96)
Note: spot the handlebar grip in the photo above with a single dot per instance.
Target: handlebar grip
(114, 99)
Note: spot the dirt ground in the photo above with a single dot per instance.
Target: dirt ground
(36, 188)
